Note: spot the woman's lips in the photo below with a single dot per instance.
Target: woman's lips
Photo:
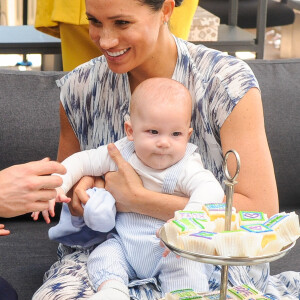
(116, 53)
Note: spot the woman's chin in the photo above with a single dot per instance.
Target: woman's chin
(119, 69)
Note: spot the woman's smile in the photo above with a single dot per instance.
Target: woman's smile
(116, 53)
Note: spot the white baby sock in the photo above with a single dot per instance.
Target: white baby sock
(112, 290)
(100, 211)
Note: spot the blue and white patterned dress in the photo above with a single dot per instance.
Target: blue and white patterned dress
(96, 102)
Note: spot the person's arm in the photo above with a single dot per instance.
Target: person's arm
(131, 196)
(28, 187)
(199, 184)
(244, 132)
(68, 144)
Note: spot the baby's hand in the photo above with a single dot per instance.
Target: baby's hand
(167, 250)
(46, 213)
(62, 198)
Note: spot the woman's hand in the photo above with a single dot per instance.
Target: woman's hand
(127, 188)
(125, 185)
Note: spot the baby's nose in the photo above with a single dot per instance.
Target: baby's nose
(163, 142)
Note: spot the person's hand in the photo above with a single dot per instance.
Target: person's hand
(46, 212)
(50, 212)
(3, 231)
(61, 197)
(80, 196)
(162, 244)
(124, 183)
(28, 187)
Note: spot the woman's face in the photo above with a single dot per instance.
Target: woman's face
(126, 31)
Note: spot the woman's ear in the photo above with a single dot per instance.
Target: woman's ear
(167, 10)
(128, 130)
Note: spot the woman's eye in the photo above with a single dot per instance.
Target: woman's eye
(176, 133)
(122, 22)
(153, 131)
(93, 20)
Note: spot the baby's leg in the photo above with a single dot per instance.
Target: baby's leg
(180, 273)
(112, 290)
(109, 271)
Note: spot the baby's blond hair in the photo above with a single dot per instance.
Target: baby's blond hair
(162, 90)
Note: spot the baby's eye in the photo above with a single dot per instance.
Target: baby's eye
(152, 131)
(176, 133)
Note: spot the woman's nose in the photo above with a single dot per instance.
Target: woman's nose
(107, 39)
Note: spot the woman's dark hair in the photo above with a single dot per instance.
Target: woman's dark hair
(157, 4)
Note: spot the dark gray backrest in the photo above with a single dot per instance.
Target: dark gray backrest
(280, 86)
(29, 119)
(29, 116)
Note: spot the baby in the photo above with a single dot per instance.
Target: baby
(156, 145)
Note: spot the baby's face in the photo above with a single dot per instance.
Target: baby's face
(160, 134)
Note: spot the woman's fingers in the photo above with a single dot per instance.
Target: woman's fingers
(116, 155)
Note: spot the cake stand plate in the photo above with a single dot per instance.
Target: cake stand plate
(224, 260)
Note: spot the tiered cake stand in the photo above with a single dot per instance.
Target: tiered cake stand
(222, 260)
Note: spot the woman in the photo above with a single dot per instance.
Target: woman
(134, 37)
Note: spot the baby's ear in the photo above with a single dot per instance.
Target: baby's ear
(128, 130)
(190, 132)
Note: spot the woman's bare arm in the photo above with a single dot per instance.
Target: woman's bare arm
(244, 131)
(68, 142)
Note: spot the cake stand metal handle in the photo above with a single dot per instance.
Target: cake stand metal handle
(230, 181)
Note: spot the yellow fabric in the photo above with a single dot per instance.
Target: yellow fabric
(76, 45)
(50, 13)
(182, 18)
(64, 19)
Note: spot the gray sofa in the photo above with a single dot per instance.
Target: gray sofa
(29, 130)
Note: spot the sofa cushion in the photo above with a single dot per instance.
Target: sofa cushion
(26, 254)
(29, 116)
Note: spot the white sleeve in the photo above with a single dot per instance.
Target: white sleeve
(94, 162)
(199, 184)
